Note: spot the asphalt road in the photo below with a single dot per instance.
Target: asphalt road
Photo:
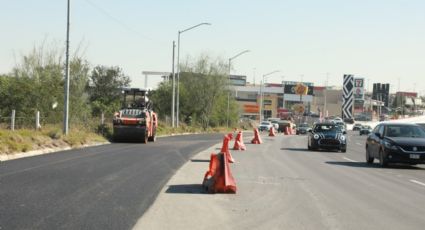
(282, 185)
(103, 187)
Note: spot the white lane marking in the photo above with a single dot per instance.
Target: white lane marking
(348, 159)
(357, 143)
(417, 182)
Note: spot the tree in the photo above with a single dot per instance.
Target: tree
(203, 89)
(161, 98)
(105, 89)
(80, 109)
(36, 83)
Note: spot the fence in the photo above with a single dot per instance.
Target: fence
(38, 121)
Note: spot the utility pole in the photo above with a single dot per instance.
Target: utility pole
(253, 75)
(173, 99)
(66, 103)
(325, 106)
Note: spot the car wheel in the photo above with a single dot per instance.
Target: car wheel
(343, 150)
(382, 161)
(369, 159)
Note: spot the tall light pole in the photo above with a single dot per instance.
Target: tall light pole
(228, 94)
(173, 98)
(66, 102)
(178, 66)
(325, 103)
(261, 91)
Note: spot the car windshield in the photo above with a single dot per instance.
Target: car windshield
(366, 127)
(303, 125)
(404, 131)
(326, 128)
(265, 123)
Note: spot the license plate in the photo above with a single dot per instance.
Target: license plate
(414, 156)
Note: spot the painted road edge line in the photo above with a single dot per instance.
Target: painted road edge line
(348, 159)
(417, 182)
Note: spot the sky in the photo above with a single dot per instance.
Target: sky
(306, 40)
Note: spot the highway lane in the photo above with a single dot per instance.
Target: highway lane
(340, 191)
(282, 185)
(103, 187)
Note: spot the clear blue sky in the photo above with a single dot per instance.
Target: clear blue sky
(380, 40)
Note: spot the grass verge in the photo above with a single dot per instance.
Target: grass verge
(25, 140)
(51, 136)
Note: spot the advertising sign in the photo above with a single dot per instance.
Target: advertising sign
(358, 88)
(292, 89)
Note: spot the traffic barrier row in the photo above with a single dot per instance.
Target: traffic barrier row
(219, 178)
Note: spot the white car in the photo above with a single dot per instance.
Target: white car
(265, 126)
(338, 119)
(275, 124)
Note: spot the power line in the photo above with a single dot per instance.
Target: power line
(118, 21)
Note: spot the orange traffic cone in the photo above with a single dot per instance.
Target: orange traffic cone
(286, 132)
(239, 145)
(257, 138)
(225, 147)
(219, 177)
(272, 133)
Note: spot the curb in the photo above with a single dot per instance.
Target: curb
(14, 156)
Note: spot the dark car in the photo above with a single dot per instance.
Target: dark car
(302, 128)
(357, 127)
(421, 124)
(327, 136)
(365, 130)
(396, 143)
(283, 124)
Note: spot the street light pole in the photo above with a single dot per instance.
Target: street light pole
(66, 102)
(261, 92)
(325, 105)
(178, 67)
(173, 98)
(228, 94)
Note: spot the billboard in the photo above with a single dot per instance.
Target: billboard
(291, 89)
(381, 92)
(358, 88)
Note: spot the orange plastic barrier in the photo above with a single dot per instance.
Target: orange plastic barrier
(239, 145)
(257, 138)
(272, 132)
(225, 147)
(287, 131)
(219, 179)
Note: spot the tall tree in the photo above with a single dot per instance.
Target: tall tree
(36, 84)
(203, 86)
(161, 98)
(105, 88)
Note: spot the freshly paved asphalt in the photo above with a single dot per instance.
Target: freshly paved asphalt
(103, 187)
(281, 185)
